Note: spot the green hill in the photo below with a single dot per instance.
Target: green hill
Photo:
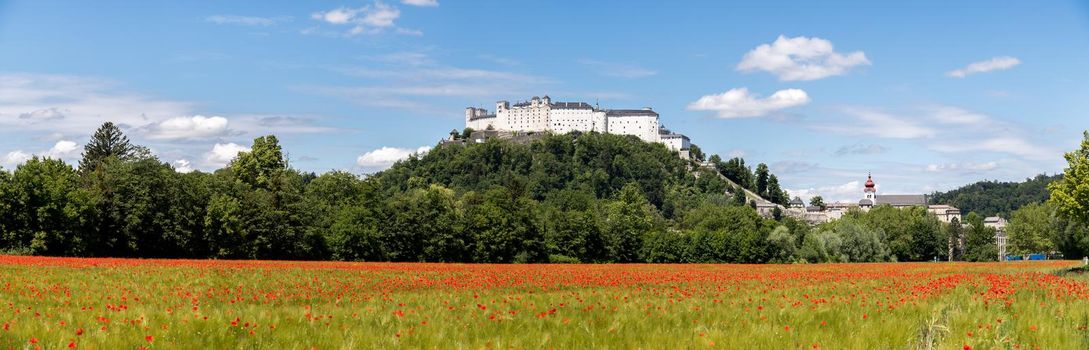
(989, 198)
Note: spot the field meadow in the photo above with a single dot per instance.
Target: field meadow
(60, 303)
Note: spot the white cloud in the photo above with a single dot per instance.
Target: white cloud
(13, 159)
(195, 127)
(35, 103)
(993, 64)
(800, 58)
(409, 31)
(384, 157)
(962, 167)
(62, 149)
(876, 123)
(739, 103)
(426, 3)
(850, 191)
(246, 20)
(954, 115)
(45, 114)
(619, 70)
(223, 153)
(368, 19)
(410, 84)
(182, 166)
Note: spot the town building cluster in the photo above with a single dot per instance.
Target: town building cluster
(541, 114)
(870, 199)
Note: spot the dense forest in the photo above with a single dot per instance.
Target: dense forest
(990, 198)
(562, 198)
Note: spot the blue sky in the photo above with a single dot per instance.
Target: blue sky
(926, 96)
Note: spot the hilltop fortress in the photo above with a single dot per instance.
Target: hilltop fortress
(543, 115)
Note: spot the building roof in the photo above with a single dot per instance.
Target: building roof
(901, 200)
(631, 113)
(797, 200)
(812, 208)
(865, 202)
(993, 219)
(571, 105)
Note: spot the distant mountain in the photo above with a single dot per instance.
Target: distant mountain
(989, 198)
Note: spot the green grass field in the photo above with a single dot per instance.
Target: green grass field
(56, 303)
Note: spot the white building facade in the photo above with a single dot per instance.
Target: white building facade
(542, 114)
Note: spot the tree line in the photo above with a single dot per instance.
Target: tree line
(995, 198)
(579, 197)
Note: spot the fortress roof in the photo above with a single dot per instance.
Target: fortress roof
(631, 113)
(572, 105)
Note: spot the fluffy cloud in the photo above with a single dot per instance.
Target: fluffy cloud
(800, 58)
(13, 159)
(850, 191)
(993, 64)
(195, 127)
(385, 157)
(246, 20)
(182, 166)
(426, 3)
(223, 153)
(62, 149)
(364, 20)
(739, 103)
(962, 167)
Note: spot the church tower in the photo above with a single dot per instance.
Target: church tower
(871, 189)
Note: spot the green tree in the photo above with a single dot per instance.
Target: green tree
(818, 201)
(781, 245)
(696, 153)
(627, 220)
(423, 226)
(775, 192)
(862, 244)
(1070, 195)
(262, 164)
(503, 228)
(979, 240)
(45, 205)
(738, 196)
(762, 180)
(955, 234)
(107, 142)
(822, 246)
(223, 226)
(1030, 228)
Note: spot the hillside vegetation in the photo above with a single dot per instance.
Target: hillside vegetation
(562, 198)
(990, 198)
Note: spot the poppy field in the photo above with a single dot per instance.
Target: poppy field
(61, 303)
